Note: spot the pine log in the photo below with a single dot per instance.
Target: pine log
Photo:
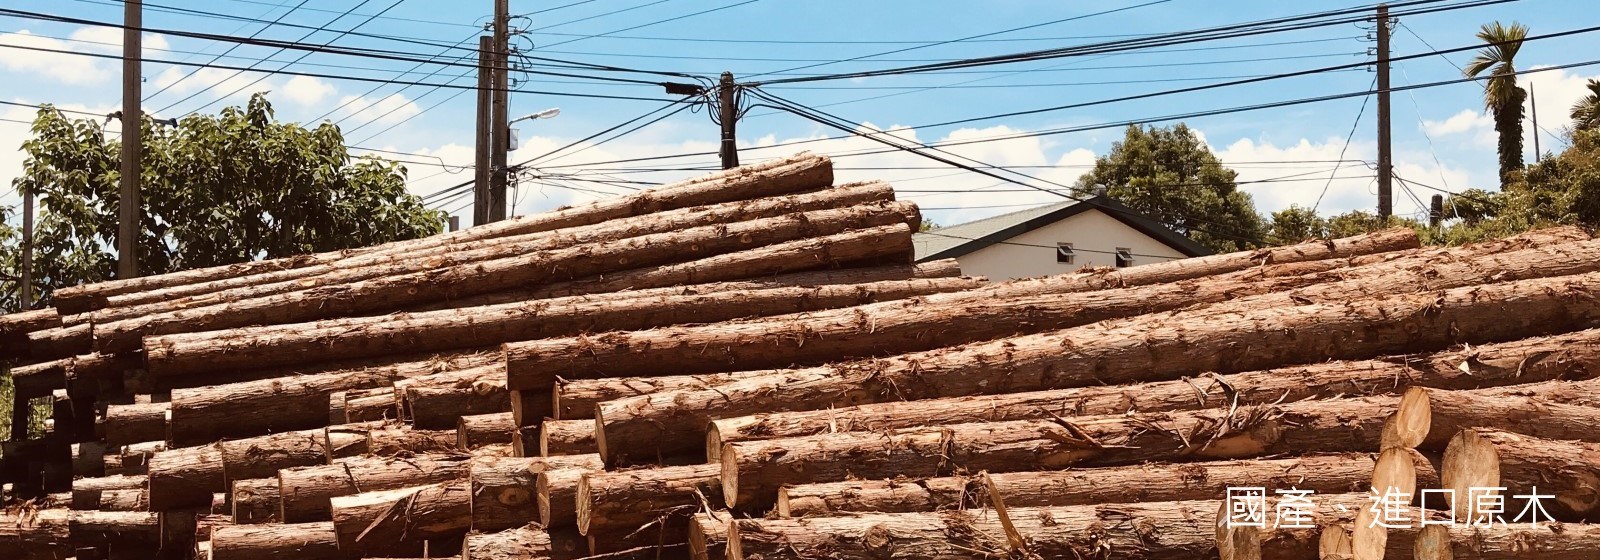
(529, 542)
(1565, 356)
(23, 322)
(753, 471)
(133, 423)
(881, 496)
(505, 491)
(1446, 413)
(274, 541)
(400, 439)
(1513, 542)
(391, 264)
(436, 401)
(788, 175)
(645, 500)
(304, 492)
(1574, 391)
(1001, 311)
(528, 408)
(255, 501)
(623, 286)
(403, 522)
(60, 342)
(135, 457)
(391, 292)
(708, 535)
(484, 429)
(478, 326)
(252, 408)
(88, 491)
(40, 379)
(1155, 347)
(347, 440)
(1487, 458)
(524, 441)
(133, 499)
(101, 528)
(366, 405)
(186, 477)
(557, 493)
(575, 399)
(1156, 530)
(566, 437)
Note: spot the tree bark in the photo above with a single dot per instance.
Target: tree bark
(1486, 458)
(347, 440)
(133, 423)
(624, 286)
(389, 293)
(97, 492)
(557, 493)
(187, 477)
(1157, 530)
(437, 401)
(473, 327)
(23, 322)
(366, 405)
(1566, 356)
(576, 399)
(135, 457)
(753, 471)
(304, 492)
(396, 440)
(273, 541)
(1515, 542)
(505, 492)
(394, 263)
(1157, 347)
(403, 522)
(708, 535)
(529, 542)
(484, 429)
(61, 342)
(1449, 412)
(1574, 390)
(255, 501)
(39, 380)
(997, 312)
(566, 437)
(273, 405)
(645, 500)
(798, 173)
(881, 496)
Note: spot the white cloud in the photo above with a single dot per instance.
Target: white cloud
(1276, 177)
(67, 68)
(109, 40)
(389, 109)
(306, 90)
(234, 85)
(1466, 121)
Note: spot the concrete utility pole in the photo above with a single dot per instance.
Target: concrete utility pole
(1436, 210)
(26, 289)
(132, 148)
(485, 139)
(729, 117)
(1385, 157)
(1535, 106)
(500, 119)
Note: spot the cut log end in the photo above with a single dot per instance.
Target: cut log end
(583, 504)
(1335, 543)
(541, 487)
(1409, 424)
(600, 436)
(713, 441)
(1469, 462)
(1368, 539)
(1395, 471)
(1433, 543)
(730, 482)
(708, 535)
(734, 551)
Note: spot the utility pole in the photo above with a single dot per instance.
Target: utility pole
(132, 118)
(500, 119)
(1385, 157)
(1533, 101)
(485, 140)
(26, 294)
(1436, 210)
(729, 115)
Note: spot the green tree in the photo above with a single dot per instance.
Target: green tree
(1501, 96)
(1295, 224)
(1586, 112)
(216, 189)
(1170, 175)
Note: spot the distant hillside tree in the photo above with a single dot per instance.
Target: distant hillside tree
(1170, 175)
(216, 189)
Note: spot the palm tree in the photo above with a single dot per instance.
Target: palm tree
(1501, 94)
(1586, 112)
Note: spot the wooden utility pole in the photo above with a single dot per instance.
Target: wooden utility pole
(26, 289)
(481, 178)
(1436, 210)
(132, 118)
(1535, 106)
(729, 116)
(1385, 157)
(502, 131)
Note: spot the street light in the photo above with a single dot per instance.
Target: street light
(516, 142)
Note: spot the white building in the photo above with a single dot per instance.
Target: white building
(1056, 239)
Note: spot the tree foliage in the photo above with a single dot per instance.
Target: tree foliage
(1171, 175)
(1586, 112)
(216, 189)
(1501, 96)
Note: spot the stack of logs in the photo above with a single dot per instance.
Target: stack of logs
(747, 365)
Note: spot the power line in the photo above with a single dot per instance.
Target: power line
(657, 22)
(1342, 149)
(231, 48)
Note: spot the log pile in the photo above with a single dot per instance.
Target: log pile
(748, 365)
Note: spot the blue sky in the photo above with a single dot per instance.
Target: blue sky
(1442, 138)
